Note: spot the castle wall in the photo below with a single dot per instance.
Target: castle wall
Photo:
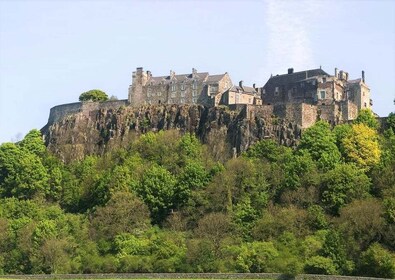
(309, 115)
(59, 112)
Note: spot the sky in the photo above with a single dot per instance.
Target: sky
(52, 51)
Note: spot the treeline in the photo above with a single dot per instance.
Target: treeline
(164, 204)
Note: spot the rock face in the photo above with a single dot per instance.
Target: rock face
(97, 129)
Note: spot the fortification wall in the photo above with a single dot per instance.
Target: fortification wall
(309, 115)
(327, 113)
(59, 112)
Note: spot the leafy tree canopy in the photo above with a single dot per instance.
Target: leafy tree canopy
(93, 95)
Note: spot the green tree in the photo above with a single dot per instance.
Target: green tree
(33, 142)
(22, 173)
(93, 95)
(320, 142)
(158, 189)
(366, 117)
(377, 262)
(320, 265)
(342, 185)
(391, 121)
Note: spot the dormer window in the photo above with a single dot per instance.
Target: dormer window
(213, 89)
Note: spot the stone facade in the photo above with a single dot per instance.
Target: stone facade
(241, 95)
(193, 88)
(337, 98)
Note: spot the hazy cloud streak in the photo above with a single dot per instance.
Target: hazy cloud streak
(289, 40)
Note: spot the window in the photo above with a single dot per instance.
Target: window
(324, 80)
(365, 105)
(263, 91)
(182, 94)
(194, 99)
(194, 85)
(182, 101)
(213, 89)
(322, 94)
(173, 87)
(194, 92)
(173, 94)
(276, 91)
(148, 92)
(182, 86)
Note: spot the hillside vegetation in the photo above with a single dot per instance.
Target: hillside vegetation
(165, 205)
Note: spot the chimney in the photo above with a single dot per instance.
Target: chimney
(139, 69)
(290, 70)
(253, 85)
(363, 76)
(149, 74)
(336, 73)
(241, 84)
(172, 73)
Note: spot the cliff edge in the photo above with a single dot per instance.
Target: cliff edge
(93, 128)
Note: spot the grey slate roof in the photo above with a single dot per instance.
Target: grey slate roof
(245, 89)
(214, 78)
(284, 79)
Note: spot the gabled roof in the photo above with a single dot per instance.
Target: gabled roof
(215, 78)
(283, 79)
(244, 89)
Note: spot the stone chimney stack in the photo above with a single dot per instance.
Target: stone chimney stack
(336, 73)
(290, 70)
(363, 76)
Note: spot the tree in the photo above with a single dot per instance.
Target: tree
(33, 142)
(93, 95)
(366, 117)
(157, 189)
(377, 262)
(22, 173)
(124, 212)
(361, 146)
(320, 142)
(342, 185)
(391, 121)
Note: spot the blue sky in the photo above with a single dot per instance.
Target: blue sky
(52, 51)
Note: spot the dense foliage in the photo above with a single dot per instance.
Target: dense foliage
(165, 205)
(94, 95)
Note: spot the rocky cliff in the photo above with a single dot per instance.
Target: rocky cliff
(97, 129)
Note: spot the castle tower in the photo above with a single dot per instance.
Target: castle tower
(136, 95)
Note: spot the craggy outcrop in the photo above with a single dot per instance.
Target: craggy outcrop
(97, 129)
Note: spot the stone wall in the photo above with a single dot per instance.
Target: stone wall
(60, 112)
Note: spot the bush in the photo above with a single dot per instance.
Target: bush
(93, 95)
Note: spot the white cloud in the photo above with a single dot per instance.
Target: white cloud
(289, 35)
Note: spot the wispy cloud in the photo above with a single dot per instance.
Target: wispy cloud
(289, 34)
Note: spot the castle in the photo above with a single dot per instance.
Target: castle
(304, 96)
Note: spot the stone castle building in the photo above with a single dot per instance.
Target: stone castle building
(306, 95)
(192, 88)
(316, 87)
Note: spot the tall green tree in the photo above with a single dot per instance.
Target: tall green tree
(320, 142)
